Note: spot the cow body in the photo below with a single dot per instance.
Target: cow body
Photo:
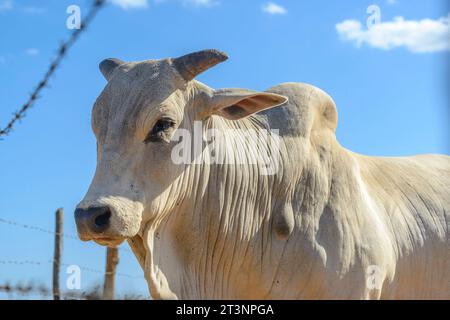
(350, 212)
(328, 224)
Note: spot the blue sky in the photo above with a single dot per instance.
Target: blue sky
(390, 84)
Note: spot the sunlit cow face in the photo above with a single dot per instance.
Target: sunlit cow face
(134, 119)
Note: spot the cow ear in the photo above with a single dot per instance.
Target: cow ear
(108, 66)
(235, 104)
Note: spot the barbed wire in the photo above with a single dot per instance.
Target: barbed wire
(21, 262)
(84, 268)
(93, 270)
(61, 53)
(39, 229)
(36, 228)
(25, 290)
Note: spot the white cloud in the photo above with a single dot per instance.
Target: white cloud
(33, 10)
(273, 8)
(200, 3)
(130, 4)
(6, 5)
(32, 51)
(193, 3)
(424, 35)
(391, 2)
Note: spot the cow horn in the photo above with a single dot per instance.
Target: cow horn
(108, 66)
(192, 64)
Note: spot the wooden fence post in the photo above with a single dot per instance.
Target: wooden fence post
(112, 259)
(58, 252)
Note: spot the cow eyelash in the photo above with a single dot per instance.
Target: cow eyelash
(160, 130)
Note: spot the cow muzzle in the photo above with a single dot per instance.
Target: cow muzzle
(108, 220)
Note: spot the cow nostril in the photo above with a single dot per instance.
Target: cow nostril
(102, 220)
(94, 220)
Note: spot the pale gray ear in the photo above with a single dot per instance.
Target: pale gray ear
(108, 66)
(235, 104)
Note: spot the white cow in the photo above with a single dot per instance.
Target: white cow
(326, 224)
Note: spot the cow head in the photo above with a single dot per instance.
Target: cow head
(133, 119)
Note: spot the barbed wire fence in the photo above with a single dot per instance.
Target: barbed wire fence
(47, 231)
(23, 291)
(84, 268)
(54, 65)
(41, 290)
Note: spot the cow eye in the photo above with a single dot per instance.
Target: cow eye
(160, 131)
